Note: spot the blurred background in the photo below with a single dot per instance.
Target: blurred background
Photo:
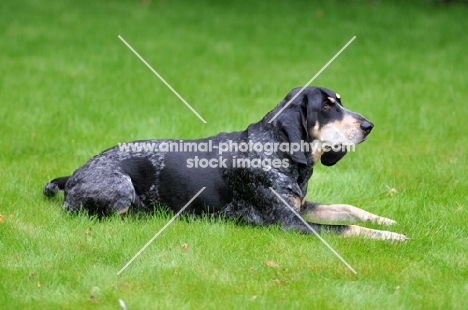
(70, 88)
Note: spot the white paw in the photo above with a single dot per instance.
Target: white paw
(374, 234)
(388, 235)
(385, 221)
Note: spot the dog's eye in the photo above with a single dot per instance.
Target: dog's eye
(326, 104)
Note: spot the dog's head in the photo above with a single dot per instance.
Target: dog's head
(316, 116)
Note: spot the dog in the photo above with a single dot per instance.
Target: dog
(243, 178)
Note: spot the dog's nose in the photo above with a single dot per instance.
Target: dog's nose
(367, 126)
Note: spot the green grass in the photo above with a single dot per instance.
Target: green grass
(69, 88)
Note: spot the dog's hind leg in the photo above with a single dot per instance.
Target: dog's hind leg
(340, 212)
(100, 192)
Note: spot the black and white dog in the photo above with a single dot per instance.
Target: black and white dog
(241, 174)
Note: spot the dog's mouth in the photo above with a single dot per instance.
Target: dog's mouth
(364, 138)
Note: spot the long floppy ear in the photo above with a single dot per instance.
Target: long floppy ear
(292, 126)
(331, 157)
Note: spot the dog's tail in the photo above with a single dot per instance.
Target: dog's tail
(52, 187)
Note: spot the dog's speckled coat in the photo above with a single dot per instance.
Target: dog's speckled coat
(119, 181)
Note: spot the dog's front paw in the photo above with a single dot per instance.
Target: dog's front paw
(355, 230)
(385, 221)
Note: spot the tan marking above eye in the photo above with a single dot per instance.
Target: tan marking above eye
(332, 100)
(338, 96)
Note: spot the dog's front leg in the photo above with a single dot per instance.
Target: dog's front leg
(295, 223)
(287, 209)
(340, 212)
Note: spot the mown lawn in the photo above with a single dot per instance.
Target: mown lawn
(69, 88)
